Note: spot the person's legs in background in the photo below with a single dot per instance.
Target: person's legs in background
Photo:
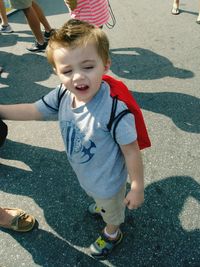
(34, 16)
(198, 18)
(34, 24)
(5, 27)
(43, 20)
(175, 7)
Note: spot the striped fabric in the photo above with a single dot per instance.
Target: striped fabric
(92, 11)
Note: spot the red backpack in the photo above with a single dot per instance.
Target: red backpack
(118, 90)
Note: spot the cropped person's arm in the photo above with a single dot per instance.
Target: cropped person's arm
(133, 159)
(71, 4)
(20, 112)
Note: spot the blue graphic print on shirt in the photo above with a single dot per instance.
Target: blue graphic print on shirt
(79, 148)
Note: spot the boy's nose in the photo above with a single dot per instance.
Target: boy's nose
(77, 76)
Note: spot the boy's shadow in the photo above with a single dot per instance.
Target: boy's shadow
(48, 179)
(48, 250)
(142, 64)
(154, 234)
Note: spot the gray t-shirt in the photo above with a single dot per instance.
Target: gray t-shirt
(96, 159)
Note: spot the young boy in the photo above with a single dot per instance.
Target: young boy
(79, 53)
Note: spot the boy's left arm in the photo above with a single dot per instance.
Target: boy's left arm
(133, 159)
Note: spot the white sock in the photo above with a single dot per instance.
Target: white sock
(113, 236)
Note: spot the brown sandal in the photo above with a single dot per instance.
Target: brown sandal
(22, 222)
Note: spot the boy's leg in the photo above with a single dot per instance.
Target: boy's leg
(113, 213)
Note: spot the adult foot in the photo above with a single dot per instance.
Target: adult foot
(175, 9)
(16, 219)
(198, 19)
(36, 47)
(6, 29)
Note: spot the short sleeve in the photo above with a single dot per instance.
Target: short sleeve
(125, 132)
(48, 105)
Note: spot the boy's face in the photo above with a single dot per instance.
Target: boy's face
(80, 70)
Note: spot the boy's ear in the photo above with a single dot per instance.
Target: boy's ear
(107, 66)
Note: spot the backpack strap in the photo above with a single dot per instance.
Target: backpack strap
(115, 119)
(113, 111)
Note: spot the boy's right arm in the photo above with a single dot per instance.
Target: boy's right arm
(20, 112)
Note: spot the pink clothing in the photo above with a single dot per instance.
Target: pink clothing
(92, 11)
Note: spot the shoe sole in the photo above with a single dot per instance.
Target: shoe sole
(36, 51)
(7, 32)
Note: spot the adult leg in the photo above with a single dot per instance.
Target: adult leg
(5, 27)
(34, 24)
(41, 16)
(3, 126)
(198, 18)
(175, 7)
(4, 18)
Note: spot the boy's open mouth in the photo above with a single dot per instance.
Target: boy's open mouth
(82, 87)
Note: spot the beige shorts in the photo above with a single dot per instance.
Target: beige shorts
(113, 209)
(21, 4)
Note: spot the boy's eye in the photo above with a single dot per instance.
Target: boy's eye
(88, 67)
(67, 72)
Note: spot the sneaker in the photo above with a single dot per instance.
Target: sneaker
(36, 47)
(6, 29)
(94, 210)
(104, 246)
(47, 35)
(3, 132)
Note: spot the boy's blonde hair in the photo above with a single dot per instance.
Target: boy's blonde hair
(77, 33)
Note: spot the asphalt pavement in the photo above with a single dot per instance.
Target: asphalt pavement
(158, 56)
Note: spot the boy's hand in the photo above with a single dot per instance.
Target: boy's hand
(71, 4)
(134, 199)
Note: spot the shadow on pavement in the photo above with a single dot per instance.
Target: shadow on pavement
(24, 74)
(154, 235)
(24, 86)
(14, 39)
(181, 108)
(142, 64)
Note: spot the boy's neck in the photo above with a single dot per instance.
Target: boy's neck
(76, 103)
